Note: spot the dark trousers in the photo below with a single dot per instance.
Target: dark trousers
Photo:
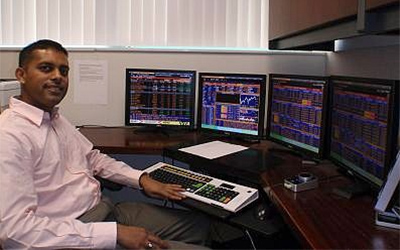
(182, 228)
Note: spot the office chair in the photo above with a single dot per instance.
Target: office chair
(110, 185)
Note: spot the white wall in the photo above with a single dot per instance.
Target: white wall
(112, 114)
(378, 62)
(8, 63)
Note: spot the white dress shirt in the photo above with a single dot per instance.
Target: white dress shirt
(46, 182)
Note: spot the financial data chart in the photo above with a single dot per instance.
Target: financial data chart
(296, 115)
(231, 103)
(160, 97)
(361, 126)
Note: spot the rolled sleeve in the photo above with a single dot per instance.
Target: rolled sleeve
(134, 178)
(105, 235)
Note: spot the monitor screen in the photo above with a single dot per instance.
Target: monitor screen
(297, 112)
(160, 98)
(364, 126)
(232, 104)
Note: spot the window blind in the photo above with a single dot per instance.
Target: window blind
(158, 23)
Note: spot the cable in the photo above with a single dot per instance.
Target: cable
(166, 203)
(250, 238)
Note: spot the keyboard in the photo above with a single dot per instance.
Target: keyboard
(213, 191)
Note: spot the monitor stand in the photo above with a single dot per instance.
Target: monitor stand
(354, 189)
(162, 131)
(230, 137)
(305, 159)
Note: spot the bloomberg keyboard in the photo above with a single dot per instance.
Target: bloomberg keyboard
(216, 192)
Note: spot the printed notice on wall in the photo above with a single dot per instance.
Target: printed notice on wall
(90, 82)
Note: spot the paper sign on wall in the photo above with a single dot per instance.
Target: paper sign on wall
(90, 82)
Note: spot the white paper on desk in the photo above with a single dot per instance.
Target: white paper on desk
(214, 149)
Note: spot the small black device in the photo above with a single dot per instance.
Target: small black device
(262, 212)
(301, 182)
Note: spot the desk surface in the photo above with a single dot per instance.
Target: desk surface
(320, 219)
(121, 140)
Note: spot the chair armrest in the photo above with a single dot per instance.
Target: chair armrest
(110, 185)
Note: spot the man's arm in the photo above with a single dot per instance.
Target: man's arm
(119, 172)
(21, 226)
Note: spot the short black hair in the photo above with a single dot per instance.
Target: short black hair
(26, 53)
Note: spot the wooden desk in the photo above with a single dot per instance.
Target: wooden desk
(125, 140)
(323, 220)
(320, 219)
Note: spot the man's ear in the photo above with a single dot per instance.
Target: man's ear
(20, 75)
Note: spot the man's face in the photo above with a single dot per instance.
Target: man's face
(44, 79)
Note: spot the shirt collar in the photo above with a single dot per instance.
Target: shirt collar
(32, 113)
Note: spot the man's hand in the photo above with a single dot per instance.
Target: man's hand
(157, 189)
(138, 238)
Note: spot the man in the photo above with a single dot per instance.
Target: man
(49, 197)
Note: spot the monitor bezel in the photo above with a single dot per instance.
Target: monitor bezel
(210, 131)
(391, 142)
(303, 151)
(128, 123)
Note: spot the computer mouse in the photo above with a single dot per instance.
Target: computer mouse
(262, 211)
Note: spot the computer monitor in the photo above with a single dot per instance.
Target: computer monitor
(297, 113)
(232, 104)
(160, 98)
(364, 127)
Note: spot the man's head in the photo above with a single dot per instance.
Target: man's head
(43, 74)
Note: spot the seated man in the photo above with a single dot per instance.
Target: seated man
(49, 197)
